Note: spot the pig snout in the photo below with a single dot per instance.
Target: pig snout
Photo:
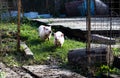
(57, 39)
(50, 32)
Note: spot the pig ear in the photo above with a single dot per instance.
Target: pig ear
(44, 27)
(62, 35)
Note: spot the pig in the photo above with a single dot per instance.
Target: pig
(44, 32)
(58, 38)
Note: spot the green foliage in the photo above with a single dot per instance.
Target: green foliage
(8, 36)
(11, 60)
(107, 69)
(2, 74)
(25, 20)
(116, 51)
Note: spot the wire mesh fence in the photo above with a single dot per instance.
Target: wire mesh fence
(8, 29)
(105, 31)
(102, 19)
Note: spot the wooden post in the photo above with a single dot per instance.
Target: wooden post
(18, 28)
(110, 35)
(88, 23)
(47, 6)
(0, 40)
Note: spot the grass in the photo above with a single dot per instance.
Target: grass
(43, 51)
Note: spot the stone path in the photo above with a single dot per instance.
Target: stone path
(14, 72)
(47, 71)
(37, 71)
(80, 23)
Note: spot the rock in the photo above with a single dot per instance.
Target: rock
(99, 55)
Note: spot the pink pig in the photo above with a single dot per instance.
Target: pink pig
(44, 32)
(58, 38)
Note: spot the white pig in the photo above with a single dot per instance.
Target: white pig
(44, 32)
(58, 38)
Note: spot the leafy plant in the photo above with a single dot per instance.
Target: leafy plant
(107, 69)
(25, 20)
(116, 51)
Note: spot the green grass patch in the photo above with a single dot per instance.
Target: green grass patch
(43, 51)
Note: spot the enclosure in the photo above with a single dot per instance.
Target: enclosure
(92, 37)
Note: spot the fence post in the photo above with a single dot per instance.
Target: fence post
(0, 40)
(88, 27)
(18, 28)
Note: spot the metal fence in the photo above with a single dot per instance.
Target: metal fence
(8, 36)
(103, 30)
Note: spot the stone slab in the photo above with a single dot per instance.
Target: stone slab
(104, 45)
(80, 23)
(13, 72)
(102, 39)
(28, 52)
(8, 73)
(47, 71)
(22, 73)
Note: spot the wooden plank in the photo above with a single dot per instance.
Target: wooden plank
(18, 25)
(27, 51)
